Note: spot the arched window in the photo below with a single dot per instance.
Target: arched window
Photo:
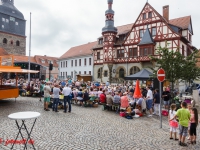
(11, 42)
(4, 41)
(99, 73)
(121, 73)
(134, 70)
(17, 43)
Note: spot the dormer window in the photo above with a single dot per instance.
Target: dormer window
(121, 37)
(100, 41)
(43, 61)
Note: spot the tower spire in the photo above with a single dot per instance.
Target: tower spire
(109, 26)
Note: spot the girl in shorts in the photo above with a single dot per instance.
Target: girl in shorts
(173, 123)
(193, 125)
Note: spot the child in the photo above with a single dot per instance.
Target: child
(193, 125)
(184, 116)
(189, 107)
(173, 123)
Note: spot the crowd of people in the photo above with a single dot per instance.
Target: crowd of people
(128, 98)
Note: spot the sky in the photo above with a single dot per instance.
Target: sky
(56, 26)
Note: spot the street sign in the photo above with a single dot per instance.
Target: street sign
(161, 75)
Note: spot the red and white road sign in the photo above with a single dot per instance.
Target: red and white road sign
(161, 75)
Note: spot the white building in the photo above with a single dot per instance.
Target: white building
(77, 60)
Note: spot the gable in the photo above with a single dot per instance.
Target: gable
(149, 16)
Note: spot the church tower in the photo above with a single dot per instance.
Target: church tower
(109, 33)
(12, 28)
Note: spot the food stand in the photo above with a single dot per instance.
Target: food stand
(6, 66)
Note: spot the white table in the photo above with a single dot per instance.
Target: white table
(24, 116)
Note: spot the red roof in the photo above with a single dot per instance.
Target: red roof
(124, 29)
(182, 22)
(80, 50)
(37, 59)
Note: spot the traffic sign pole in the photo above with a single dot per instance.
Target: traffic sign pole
(161, 78)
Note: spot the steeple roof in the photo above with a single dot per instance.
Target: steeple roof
(7, 7)
(147, 38)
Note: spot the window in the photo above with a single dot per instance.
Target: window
(61, 74)
(4, 41)
(146, 51)
(7, 21)
(153, 31)
(183, 50)
(98, 55)
(141, 33)
(72, 75)
(63, 64)
(66, 74)
(79, 62)
(121, 37)
(188, 52)
(72, 63)
(99, 73)
(144, 16)
(79, 72)
(100, 41)
(2, 26)
(120, 53)
(85, 61)
(17, 43)
(190, 37)
(89, 72)
(75, 62)
(12, 19)
(16, 23)
(133, 52)
(84, 72)
(150, 15)
(3, 19)
(105, 73)
(90, 61)
(66, 63)
(11, 42)
(134, 70)
(105, 39)
(60, 64)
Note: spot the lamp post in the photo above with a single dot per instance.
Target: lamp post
(110, 71)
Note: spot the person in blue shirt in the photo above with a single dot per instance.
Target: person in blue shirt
(63, 83)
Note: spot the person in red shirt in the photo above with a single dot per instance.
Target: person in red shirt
(124, 100)
(102, 97)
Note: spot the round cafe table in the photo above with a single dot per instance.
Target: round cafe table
(23, 116)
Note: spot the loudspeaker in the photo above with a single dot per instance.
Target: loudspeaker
(50, 66)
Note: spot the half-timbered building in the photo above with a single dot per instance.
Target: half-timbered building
(125, 50)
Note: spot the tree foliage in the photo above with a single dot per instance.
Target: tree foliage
(176, 65)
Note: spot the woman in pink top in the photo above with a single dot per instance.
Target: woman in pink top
(124, 100)
(193, 125)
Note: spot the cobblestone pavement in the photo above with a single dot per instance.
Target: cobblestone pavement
(87, 129)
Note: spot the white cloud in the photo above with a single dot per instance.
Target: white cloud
(59, 25)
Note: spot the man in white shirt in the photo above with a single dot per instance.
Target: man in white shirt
(149, 101)
(66, 92)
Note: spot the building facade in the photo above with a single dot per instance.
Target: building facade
(77, 61)
(125, 50)
(12, 28)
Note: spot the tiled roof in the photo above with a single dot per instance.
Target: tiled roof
(39, 58)
(3, 52)
(19, 58)
(147, 38)
(124, 29)
(182, 22)
(79, 50)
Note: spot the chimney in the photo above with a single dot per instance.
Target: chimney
(166, 12)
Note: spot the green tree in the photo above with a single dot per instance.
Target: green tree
(190, 70)
(171, 61)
